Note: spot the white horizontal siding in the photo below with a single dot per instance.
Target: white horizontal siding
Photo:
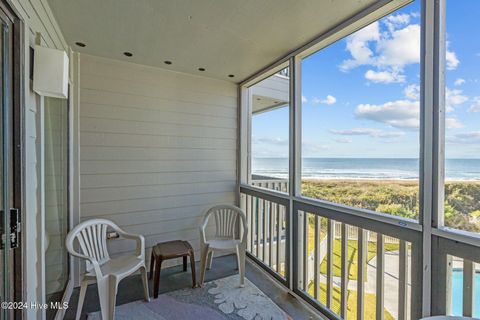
(156, 149)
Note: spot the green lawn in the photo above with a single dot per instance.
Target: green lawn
(369, 302)
(352, 257)
(311, 235)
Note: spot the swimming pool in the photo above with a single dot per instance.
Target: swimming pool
(457, 293)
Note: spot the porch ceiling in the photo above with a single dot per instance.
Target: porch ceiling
(223, 36)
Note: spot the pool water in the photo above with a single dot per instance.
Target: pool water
(457, 293)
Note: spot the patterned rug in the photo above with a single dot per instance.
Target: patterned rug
(216, 300)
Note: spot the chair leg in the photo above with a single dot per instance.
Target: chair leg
(143, 272)
(184, 263)
(241, 263)
(152, 264)
(107, 292)
(203, 263)
(156, 279)
(81, 298)
(192, 265)
(210, 260)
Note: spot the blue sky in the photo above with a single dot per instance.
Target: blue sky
(360, 95)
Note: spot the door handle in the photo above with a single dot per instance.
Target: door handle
(14, 230)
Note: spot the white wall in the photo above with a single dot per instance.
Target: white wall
(157, 147)
(39, 25)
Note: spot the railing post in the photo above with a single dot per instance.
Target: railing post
(316, 260)
(362, 261)
(468, 288)
(329, 263)
(344, 272)
(380, 291)
(403, 281)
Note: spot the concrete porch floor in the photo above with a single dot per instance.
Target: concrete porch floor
(174, 278)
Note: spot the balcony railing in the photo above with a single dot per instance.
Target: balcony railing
(270, 183)
(344, 266)
(267, 240)
(351, 265)
(358, 269)
(456, 272)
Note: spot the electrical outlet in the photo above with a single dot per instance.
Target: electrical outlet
(112, 235)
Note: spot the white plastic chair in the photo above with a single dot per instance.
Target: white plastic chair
(226, 219)
(107, 272)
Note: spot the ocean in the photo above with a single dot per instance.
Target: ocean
(364, 168)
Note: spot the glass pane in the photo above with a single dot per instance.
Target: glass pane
(56, 197)
(360, 117)
(269, 104)
(462, 135)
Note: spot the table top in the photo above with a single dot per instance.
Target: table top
(172, 249)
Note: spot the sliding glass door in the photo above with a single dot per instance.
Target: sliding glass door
(10, 163)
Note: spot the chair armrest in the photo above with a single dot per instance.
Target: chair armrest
(203, 239)
(203, 227)
(244, 235)
(140, 240)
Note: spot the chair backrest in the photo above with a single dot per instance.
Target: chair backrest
(226, 218)
(92, 238)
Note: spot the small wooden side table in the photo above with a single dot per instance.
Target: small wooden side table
(170, 250)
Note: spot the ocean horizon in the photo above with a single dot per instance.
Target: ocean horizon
(365, 168)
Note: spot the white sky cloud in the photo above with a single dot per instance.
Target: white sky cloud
(388, 50)
(270, 140)
(313, 149)
(399, 114)
(396, 20)
(412, 92)
(402, 47)
(453, 98)
(329, 100)
(459, 82)
(451, 59)
(453, 123)
(268, 146)
(358, 46)
(384, 76)
(343, 140)
(475, 107)
(375, 133)
(304, 99)
(465, 137)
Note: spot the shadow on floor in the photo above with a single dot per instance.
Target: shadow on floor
(130, 289)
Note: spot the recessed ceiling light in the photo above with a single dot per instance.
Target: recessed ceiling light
(128, 54)
(231, 75)
(167, 62)
(80, 44)
(201, 69)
